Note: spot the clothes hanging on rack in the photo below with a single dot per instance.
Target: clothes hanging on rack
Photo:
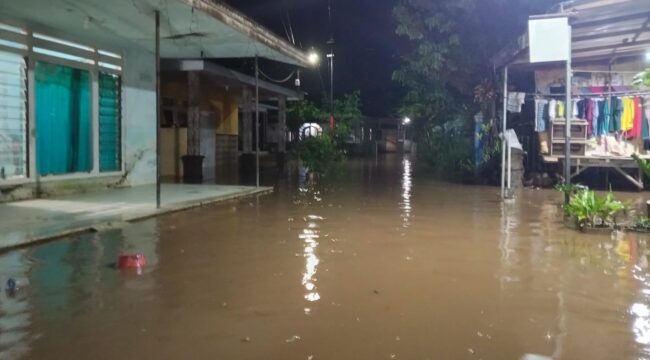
(627, 116)
(559, 113)
(541, 114)
(638, 116)
(645, 127)
(589, 116)
(574, 107)
(515, 101)
(552, 109)
(604, 124)
(616, 108)
(595, 105)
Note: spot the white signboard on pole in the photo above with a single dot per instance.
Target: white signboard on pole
(549, 39)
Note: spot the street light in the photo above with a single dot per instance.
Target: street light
(313, 58)
(405, 122)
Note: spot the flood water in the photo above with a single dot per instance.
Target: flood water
(382, 263)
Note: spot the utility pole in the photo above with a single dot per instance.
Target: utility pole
(157, 55)
(330, 57)
(257, 122)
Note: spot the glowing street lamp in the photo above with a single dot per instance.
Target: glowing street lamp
(313, 58)
(405, 122)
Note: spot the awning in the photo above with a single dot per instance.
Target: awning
(602, 30)
(189, 28)
(231, 78)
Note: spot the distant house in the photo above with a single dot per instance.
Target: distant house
(78, 87)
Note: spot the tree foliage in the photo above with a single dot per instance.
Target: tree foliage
(642, 79)
(347, 112)
(450, 43)
(319, 154)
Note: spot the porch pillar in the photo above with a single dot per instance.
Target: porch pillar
(282, 124)
(247, 121)
(193, 113)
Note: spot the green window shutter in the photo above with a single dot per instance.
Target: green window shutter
(13, 116)
(110, 137)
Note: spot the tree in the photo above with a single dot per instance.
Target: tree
(447, 76)
(347, 112)
(450, 43)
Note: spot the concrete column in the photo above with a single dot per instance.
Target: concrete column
(247, 121)
(193, 113)
(282, 124)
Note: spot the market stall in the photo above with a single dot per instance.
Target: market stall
(608, 114)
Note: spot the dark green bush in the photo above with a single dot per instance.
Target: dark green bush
(318, 154)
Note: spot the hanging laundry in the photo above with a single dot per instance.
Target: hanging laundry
(627, 115)
(605, 125)
(645, 128)
(560, 110)
(574, 108)
(638, 116)
(602, 125)
(581, 109)
(552, 109)
(541, 114)
(589, 116)
(515, 101)
(616, 110)
(596, 113)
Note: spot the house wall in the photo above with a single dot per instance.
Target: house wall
(138, 119)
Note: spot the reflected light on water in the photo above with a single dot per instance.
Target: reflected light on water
(15, 314)
(310, 236)
(641, 324)
(405, 203)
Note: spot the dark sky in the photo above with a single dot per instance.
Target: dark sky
(366, 45)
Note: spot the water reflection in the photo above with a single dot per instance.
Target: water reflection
(15, 317)
(405, 203)
(310, 236)
(64, 280)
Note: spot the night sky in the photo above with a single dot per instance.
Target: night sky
(366, 45)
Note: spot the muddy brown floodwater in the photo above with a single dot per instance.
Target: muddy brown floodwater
(383, 263)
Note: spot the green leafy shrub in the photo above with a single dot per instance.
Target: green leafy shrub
(447, 149)
(318, 154)
(589, 210)
(643, 164)
(641, 224)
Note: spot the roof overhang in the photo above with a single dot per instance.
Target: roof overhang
(229, 77)
(602, 30)
(189, 28)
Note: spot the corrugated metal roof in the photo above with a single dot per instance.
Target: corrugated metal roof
(189, 28)
(601, 31)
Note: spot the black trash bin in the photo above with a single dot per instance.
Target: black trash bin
(193, 169)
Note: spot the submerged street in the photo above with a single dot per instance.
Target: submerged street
(382, 263)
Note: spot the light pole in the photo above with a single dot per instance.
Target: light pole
(330, 56)
(405, 122)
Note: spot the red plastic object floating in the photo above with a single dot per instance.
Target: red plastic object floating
(133, 261)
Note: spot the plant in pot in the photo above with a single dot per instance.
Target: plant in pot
(589, 210)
